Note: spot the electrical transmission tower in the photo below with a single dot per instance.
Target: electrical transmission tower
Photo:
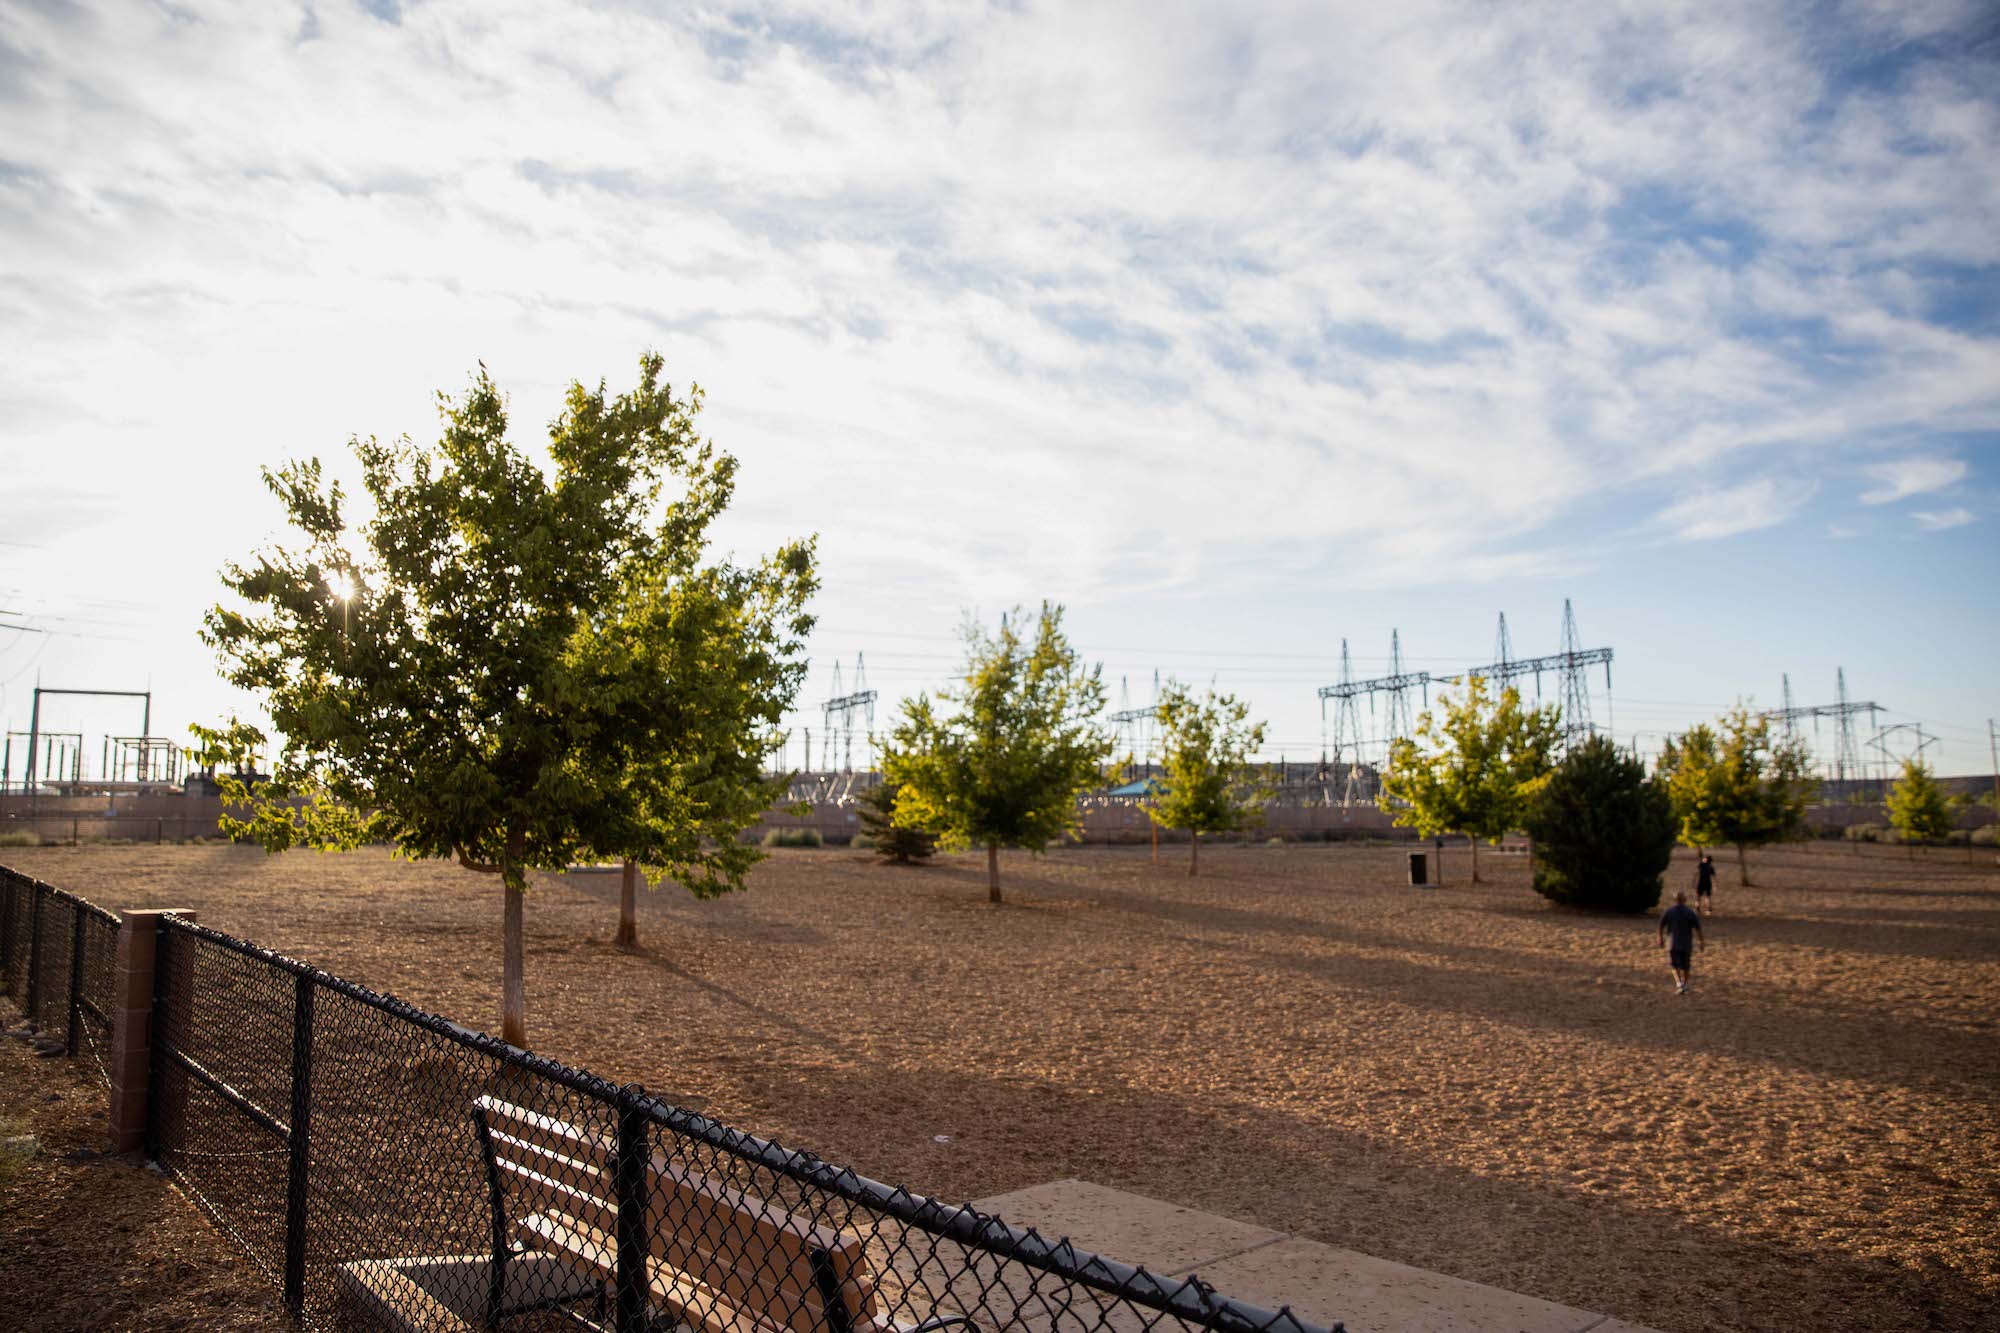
(1347, 734)
(1847, 746)
(840, 713)
(1899, 744)
(1133, 728)
(1396, 688)
(1571, 667)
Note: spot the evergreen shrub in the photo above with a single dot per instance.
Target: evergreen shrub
(1603, 831)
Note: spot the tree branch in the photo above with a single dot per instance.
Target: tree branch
(481, 867)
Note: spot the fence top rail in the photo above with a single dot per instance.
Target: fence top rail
(1186, 1298)
(103, 914)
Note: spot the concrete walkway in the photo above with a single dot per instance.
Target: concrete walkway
(1269, 1268)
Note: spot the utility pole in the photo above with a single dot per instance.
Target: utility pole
(1993, 748)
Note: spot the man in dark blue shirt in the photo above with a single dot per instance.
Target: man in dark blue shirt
(1683, 923)
(1704, 884)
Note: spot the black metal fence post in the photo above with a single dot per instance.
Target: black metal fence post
(300, 1144)
(633, 1134)
(35, 953)
(75, 979)
(8, 888)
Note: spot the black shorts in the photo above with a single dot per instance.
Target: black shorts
(1680, 959)
(1704, 891)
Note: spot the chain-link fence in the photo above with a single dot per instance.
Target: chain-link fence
(389, 1169)
(58, 962)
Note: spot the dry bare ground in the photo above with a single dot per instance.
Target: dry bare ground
(1463, 1079)
(90, 1242)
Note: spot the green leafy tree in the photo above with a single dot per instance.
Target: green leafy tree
(518, 666)
(1003, 762)
(1735, 783)
(1473, 768)
(1919, 808)
(1604, 832)
(892, 841)
(1208, 785)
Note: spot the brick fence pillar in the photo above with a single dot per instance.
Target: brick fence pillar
(131, 1063)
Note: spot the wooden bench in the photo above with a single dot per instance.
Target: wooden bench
(718, 1260)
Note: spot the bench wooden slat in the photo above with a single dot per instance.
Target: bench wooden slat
(677, 1293)
(716, 1236)
(757, 1288)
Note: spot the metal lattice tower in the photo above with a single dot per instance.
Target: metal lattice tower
(840, 713)
(1503, 651)
(1847, 746)
(1133, 727)
(1399, 721)
(1899, 744)
(1347, 734)
(1789, 715)
(1575, 684)
(1571, 665)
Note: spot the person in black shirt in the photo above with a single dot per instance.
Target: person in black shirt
(1704, 885)
(1684, 925)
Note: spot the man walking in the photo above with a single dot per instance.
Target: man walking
(1704, 885)
(1683, 923)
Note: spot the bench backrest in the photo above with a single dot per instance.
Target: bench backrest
(722, 1259)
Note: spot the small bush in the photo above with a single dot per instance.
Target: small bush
(1986, 835)
(19, 838)
(1274, 842)
(861, 842)
(793, 837)
(1865, 833)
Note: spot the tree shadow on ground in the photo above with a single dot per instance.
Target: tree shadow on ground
(1563, 1244)
(1843, 1041)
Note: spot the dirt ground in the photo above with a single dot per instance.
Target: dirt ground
(95, 1242)
(1462, 1079)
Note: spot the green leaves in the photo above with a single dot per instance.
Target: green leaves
(1474, 769)
(535, 666)
(1603, 831)
(1020, 742)
(1919, 809)
(1733, 783)
(1209, 785)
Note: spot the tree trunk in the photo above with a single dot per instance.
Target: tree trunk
(1742, 865)
(1194, 851)
(992, 872)
(513, 984)
(1474, 843)
(628, 908)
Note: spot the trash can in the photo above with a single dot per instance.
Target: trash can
(1419, 869)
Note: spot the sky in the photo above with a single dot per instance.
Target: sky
(1240, 331)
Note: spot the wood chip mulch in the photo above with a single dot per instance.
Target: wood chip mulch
(1465, 1079)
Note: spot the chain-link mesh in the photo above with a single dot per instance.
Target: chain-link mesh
(390, 1170)
(58, 962)
(16, 906)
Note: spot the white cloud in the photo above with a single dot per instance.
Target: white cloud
(1937, 520)
(1726, 511)
(1900, 478)
(1002, 302)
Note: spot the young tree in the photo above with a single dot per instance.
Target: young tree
(1473, 770)
(1020, 742)
(1208, 786)
(892, 842)
(1734, 783)
(1604, 832)
(1918, 807)
(529, 664)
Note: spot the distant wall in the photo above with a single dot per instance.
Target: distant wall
(128, 816)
